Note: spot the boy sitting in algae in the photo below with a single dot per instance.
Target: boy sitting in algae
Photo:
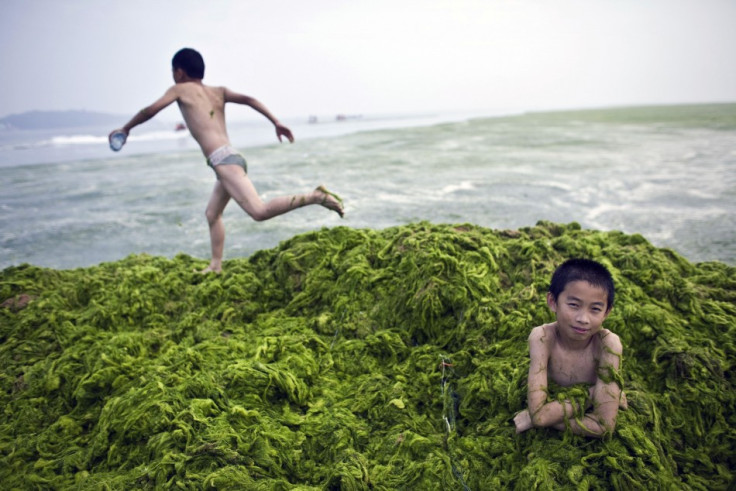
(203, 109)
(575, 349)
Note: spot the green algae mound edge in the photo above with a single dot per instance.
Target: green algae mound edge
(357, 359)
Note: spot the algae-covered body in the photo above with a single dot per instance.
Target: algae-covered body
(357, 359)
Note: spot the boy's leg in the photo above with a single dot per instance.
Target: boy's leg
(216, 205)
(241, 189)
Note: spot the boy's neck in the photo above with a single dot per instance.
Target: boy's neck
(186, 79)
(181, 76)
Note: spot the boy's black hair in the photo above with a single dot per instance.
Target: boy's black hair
(190, 61)
(582, 270)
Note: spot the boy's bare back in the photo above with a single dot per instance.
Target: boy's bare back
(203, 109)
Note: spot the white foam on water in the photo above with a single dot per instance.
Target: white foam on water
(87, 139)
(452, 188)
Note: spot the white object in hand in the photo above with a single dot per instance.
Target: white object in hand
(117, 140)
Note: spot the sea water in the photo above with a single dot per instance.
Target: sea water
(667, 173)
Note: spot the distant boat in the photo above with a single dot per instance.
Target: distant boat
(180, 127)
(345, 117)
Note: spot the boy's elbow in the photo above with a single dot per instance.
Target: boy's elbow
(538, 419)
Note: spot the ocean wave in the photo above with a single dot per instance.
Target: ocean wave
(89, 139)
(452, 188)
(75, 140)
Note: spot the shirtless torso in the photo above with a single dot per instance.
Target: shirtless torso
(203, 109)
(569, 367)
(592, 363)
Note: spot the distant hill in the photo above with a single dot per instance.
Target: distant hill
(41, 120)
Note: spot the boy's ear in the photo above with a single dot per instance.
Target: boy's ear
(551, 302)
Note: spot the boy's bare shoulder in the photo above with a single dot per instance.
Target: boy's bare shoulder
(609, 347)
(219, 89)
(610, 340)
(544, 333)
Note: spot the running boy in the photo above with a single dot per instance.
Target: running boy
(203, 109)
(575, 349)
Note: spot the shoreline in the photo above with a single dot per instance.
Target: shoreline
(506, 232)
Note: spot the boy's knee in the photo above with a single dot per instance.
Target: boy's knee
(258, 215)
(211, 216)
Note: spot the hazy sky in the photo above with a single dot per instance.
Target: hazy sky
(324, 57)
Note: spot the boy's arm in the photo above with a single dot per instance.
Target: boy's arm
(606, 394)
(237, 98)
(541, 413)
(149, 111)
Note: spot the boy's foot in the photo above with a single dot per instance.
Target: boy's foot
(211, 269)
(331, 201)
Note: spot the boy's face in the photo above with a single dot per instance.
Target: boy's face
(581, 309)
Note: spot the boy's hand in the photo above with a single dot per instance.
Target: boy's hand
(282, 130)
(523, 421)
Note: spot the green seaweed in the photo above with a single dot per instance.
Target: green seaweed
(358, 359)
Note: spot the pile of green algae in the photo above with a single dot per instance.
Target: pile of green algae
(357, 359)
